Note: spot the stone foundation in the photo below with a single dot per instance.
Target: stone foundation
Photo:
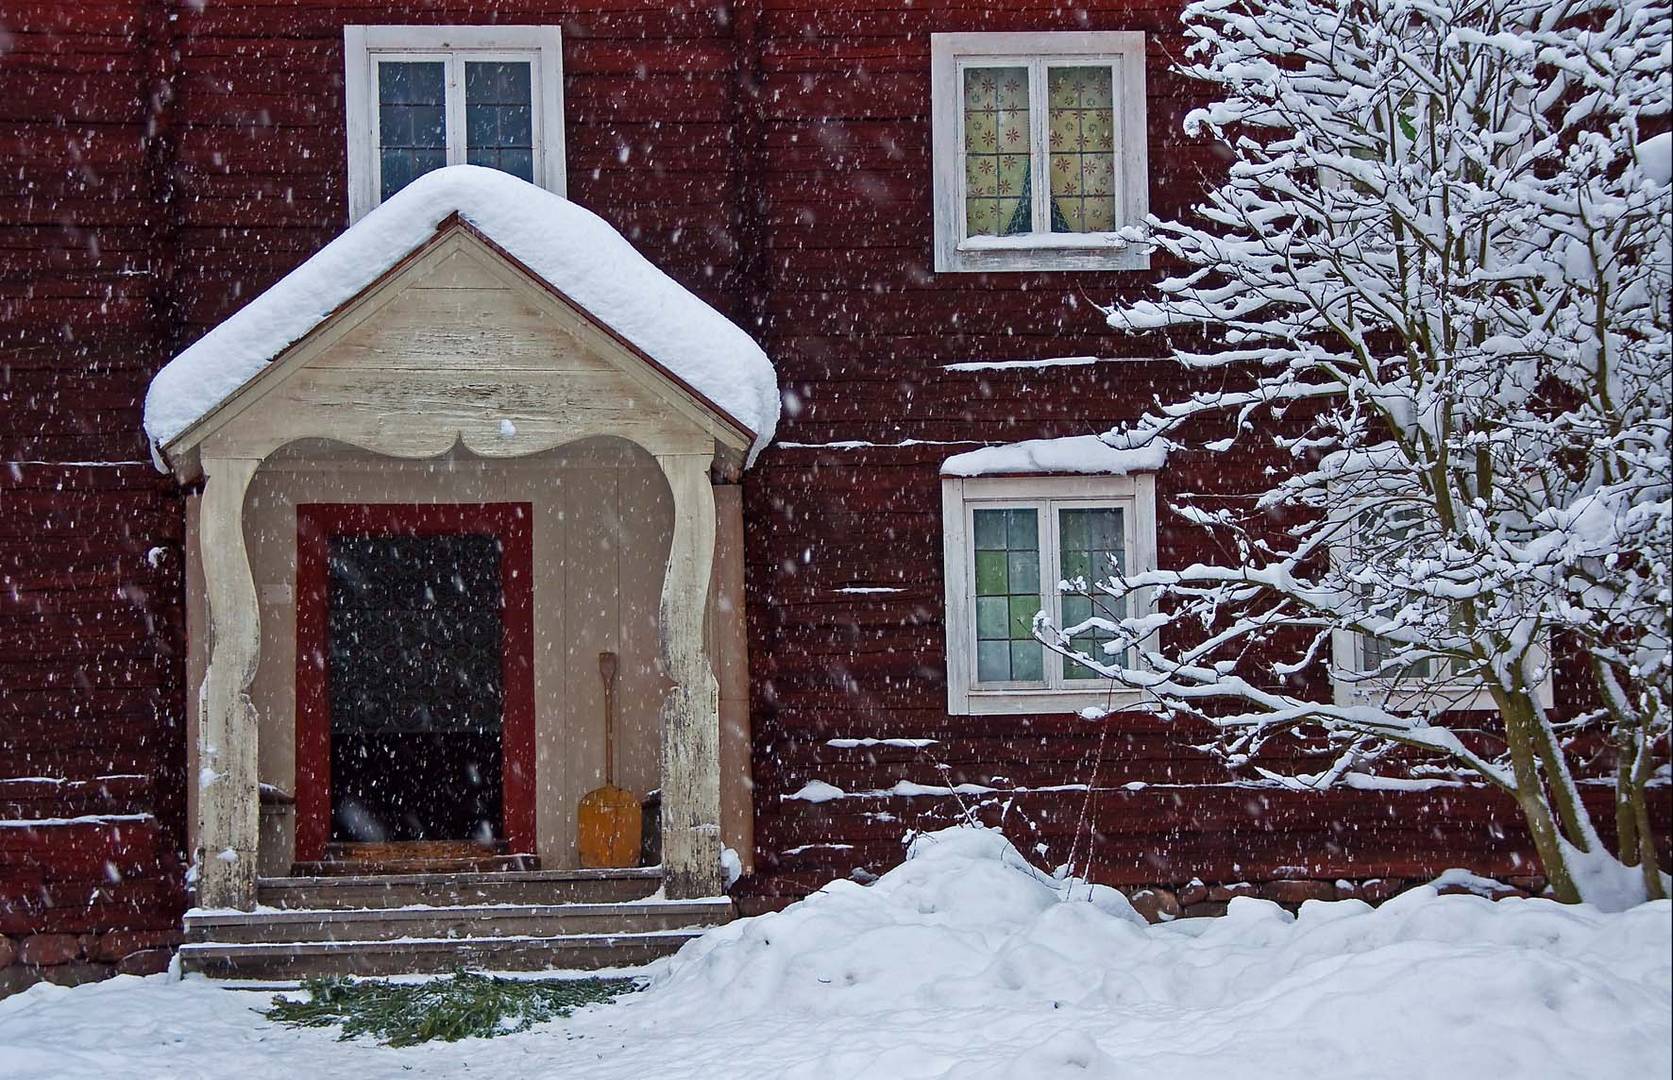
(1159, 903)
(72, 959)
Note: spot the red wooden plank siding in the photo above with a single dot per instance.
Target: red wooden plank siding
(862, 330)
(168, 161)
(92, 747)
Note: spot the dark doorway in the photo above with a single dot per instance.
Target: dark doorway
(416, 688)
(414, 680)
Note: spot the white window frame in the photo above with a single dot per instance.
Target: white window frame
(950, 54)
(960, 497)
(365, 46)
(1350, 685)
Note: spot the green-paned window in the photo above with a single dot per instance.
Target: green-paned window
(1080, 119)
(1091, 548)
(1384, 534)
(998, 152)
(1007, 557)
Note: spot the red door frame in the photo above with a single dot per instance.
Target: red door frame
(316, 524)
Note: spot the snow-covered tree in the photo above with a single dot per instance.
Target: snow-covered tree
(1437, 279)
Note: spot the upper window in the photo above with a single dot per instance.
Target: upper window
(1017, 546)
(420, 97)
(1039, 150)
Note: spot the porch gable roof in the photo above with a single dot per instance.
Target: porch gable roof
(568, 251)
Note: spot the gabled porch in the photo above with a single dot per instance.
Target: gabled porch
(460, 553)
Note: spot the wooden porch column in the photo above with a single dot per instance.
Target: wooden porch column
(229, 803)
(691, 712)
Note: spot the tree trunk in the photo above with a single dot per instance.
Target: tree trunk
(1520, 731)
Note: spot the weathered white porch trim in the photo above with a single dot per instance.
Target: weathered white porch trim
(417, 406)
(691, 712)
(229, 808)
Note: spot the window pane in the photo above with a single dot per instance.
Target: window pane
(993, 661)
(412, 121)
(1007, 595)
(499, 116)
(996, 152)
(1092, 547)
(1081, 118)
(1382, 535)
(1026, 661)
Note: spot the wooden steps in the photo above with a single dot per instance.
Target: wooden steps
(456, 889)
(275, 961)
(400, 924)
(508, 920)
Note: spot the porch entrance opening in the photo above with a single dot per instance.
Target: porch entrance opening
(416, 688)
(414, 683)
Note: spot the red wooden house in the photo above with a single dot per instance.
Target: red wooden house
(329, 636)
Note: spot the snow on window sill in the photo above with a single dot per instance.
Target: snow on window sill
(1043, 242)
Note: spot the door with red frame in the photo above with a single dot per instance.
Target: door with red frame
(414, 676)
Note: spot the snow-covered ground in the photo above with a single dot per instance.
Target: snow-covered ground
(965, 962)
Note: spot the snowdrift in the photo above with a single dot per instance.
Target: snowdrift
(966, 963)
(966, 934)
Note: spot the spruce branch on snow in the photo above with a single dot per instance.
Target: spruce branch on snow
(1435, 291)
(467, 1005)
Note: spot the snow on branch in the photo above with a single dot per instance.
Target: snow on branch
(1436, 281)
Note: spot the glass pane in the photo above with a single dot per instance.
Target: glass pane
(993, 661)
(1023, 610)
(997, 154)
(412, 121)
(1026, 663)
(1383, 534)
(1007, 594)
(1092, 547)
(1081, 119)
(499, 116)
(990, 530)
(1024, 571)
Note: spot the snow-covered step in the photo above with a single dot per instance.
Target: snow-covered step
(453, 889)
(266, 961)
(461, 921)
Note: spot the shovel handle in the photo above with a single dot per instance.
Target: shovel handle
(607, 672)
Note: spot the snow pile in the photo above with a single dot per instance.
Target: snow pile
(965, 962)
(965, 920)
(573, 249)
(1081, 454)
(1425, 985)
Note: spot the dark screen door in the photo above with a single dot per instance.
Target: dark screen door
(415, 631)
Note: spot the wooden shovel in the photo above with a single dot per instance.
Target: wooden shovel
(608, 818)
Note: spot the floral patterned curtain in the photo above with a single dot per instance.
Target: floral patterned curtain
(1082, 152)
(999, 155)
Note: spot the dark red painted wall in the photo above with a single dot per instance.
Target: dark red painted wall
(90, 630)
(166, 161)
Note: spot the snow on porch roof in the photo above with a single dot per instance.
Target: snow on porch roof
(573, 250)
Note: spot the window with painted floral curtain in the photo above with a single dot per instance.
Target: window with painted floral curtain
(1081, 124)
(1040, 154)
(998, 152)
(1003, 151)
